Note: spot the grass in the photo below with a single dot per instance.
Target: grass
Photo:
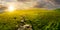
(40, 19)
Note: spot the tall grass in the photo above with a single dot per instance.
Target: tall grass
(39, 19)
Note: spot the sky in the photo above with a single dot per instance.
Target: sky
(49, 4)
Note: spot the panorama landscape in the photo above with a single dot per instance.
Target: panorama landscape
(29, 14)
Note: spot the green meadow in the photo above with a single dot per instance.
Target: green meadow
(40, 19)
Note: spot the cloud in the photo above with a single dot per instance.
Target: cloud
(49, 4)
(8, 0)
(57, 1)
(34, 3)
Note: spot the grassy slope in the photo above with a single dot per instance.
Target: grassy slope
(41, 19)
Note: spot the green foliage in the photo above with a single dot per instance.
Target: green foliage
(40, 20)
(58, 9)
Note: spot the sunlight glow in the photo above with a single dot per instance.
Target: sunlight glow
(11, 8)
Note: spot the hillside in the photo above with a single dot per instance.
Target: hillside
(40, 19)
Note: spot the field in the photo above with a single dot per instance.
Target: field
(40, 19)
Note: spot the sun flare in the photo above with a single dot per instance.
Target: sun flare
(11, 8)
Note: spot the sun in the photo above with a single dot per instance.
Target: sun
(11, 8)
